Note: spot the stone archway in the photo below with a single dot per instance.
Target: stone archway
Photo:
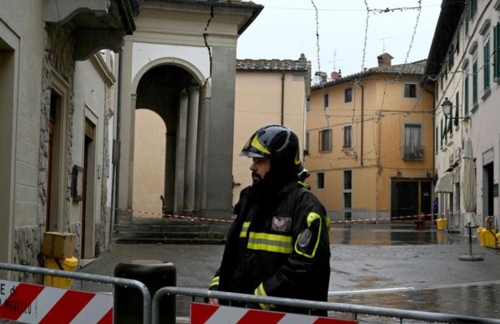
(174, 94)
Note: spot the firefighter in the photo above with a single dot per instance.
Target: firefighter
(278, 245)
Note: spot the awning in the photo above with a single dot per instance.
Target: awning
(445, 183)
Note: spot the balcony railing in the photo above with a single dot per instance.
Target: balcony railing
(412, 152)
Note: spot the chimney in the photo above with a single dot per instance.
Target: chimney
(384, 60)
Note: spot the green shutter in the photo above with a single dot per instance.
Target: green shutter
(450, 122)
(442, 133)
(486, 67)
(469, 12)
(474, 83)
(496, 48)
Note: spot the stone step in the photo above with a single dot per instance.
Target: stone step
(162, 231)
(167, 240)
(167, 227)
(184, 235)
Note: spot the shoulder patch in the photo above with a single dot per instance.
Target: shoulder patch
(281, 224)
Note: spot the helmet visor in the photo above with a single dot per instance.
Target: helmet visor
(250, 154)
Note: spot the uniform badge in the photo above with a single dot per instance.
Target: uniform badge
(281, 224)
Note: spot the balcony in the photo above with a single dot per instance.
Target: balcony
(96, 24)
(412, 152)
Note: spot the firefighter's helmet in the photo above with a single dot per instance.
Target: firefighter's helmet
(278, 143)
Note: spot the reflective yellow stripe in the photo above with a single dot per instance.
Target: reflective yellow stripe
(297, 158)
(270, 243)
(261, 292)
(305, 185)
(311, 218)
(244, 229)
(215, 281)
(259, 146)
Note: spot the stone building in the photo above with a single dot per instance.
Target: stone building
(56, 101)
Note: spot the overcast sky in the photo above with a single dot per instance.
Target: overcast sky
(284, 29)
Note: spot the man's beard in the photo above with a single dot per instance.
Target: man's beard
(256, 178)
(266, 188)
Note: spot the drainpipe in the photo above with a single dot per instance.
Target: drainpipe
(362, 122)
(283, 98)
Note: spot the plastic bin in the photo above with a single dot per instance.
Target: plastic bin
(67, 264)
(480, 235)
(490, 236)
(441, 223)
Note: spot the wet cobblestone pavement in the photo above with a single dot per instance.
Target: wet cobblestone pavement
(373, 265)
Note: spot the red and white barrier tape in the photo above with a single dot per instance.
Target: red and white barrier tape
(346, 221)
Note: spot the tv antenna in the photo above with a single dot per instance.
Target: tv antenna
(383, 43)
(334, 60)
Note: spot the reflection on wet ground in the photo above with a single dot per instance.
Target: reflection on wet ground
(387, 234)
(475, 301)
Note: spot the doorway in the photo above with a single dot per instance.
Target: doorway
(89, 185)
(410, 198)
(488, 190)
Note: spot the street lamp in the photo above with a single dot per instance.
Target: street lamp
(447, 105)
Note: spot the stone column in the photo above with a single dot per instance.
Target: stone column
(192, 134)
(170, 158)
(199, 154)
(180, 163)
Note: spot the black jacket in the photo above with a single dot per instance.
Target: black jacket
(278, 249)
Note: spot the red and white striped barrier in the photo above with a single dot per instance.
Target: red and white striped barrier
(29, 303)
(211, 314)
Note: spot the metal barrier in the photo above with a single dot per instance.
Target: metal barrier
(355, 310)
(151, 310)
(89, 277)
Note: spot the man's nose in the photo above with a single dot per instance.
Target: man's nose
(253, 167)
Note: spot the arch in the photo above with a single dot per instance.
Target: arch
(149, 161)
(177, 62)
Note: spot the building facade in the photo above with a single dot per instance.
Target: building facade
(464, 62)
(180, 63)
(56, 102)
(267, 92)
(369, 143)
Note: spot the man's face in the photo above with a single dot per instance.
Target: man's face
(259, 168)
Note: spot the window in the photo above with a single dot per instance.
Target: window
(347, 192)
(348, 95)
(347, 180)
(486, 68)
(410, 90)
(413, 149)
(474, 83)
(325, 140)
(450, 61)
(496, 51)
(457, 109)
(308, 105)
(325, 100)
(471, 9)
(321, 180)
(306, 144)
(347, 200)
(347, 137)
